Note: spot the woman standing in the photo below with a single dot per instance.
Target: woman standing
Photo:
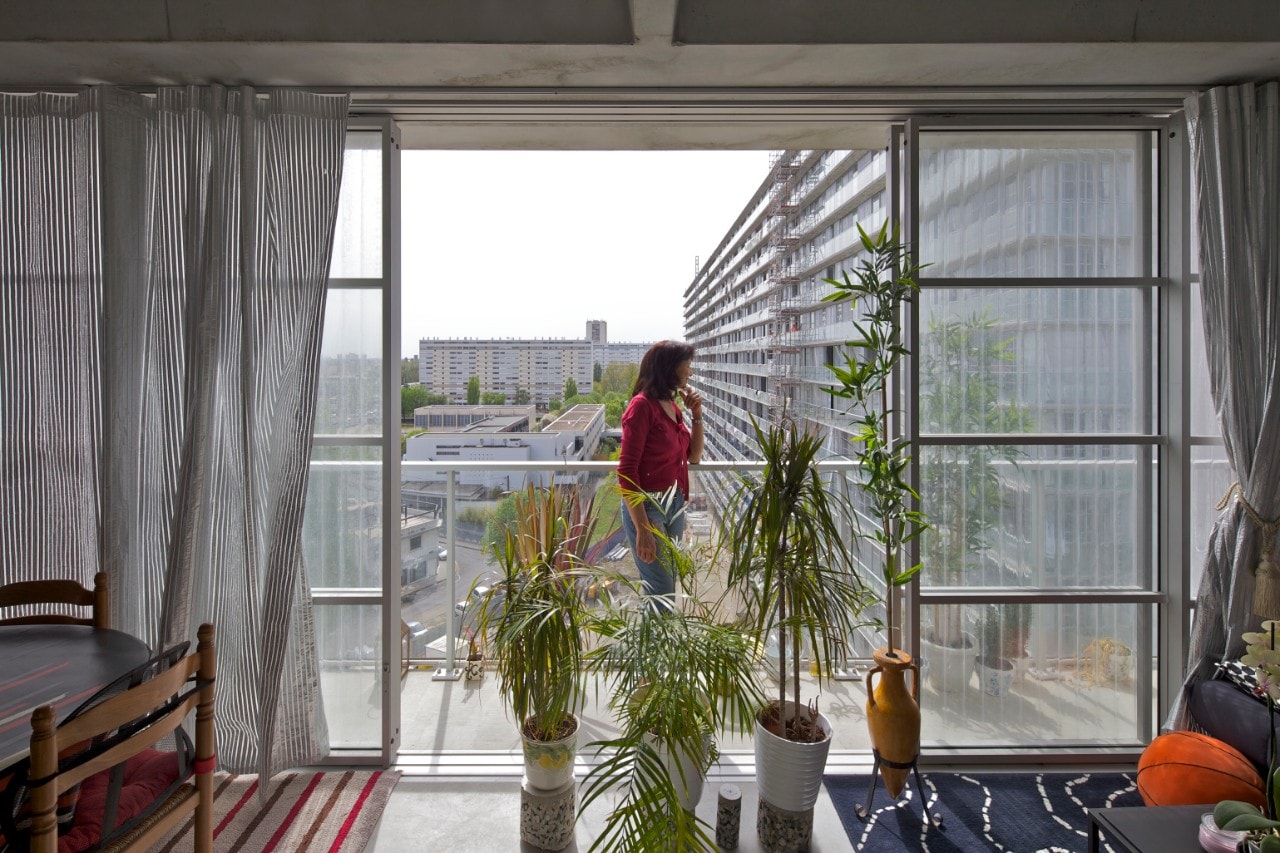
(653, 464)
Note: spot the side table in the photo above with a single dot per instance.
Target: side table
(1149, 829)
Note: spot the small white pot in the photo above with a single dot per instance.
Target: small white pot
(549, 766)
(789, 773)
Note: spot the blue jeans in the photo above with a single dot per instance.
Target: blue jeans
(656, 578)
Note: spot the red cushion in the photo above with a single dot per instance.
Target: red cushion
(146, 777)
(1188, 768)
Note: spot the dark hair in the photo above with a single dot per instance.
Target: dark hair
(657, 377)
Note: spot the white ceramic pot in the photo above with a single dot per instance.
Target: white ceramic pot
(995, 680)
(549, 766)
(950, 667)
(689, 786)
(790, 774)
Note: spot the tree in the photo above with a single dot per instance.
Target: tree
(596, 373)
(409, 370)
(473, 391)
(499, 521)
(521, 397)
(413, 397)
(613, 409)
(493, 398)
(619, 378)
(570, 388)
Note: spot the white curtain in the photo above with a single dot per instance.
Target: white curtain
(1235, 141)
(176, 292)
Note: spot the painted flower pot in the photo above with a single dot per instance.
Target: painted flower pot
(473, 670)
(996, 677)
(790, 774)
(548, 765)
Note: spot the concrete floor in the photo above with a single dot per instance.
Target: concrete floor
(462, 815)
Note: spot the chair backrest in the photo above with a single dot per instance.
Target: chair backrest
(69, 592)
(119, 727)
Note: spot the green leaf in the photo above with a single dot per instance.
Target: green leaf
(1227, 810)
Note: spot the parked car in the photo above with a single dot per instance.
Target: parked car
(467, 611)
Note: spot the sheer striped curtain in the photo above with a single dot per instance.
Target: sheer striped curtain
(171, 268)
(1235, 145)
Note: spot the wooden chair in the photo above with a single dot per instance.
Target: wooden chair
(31, 593)
(118, 735)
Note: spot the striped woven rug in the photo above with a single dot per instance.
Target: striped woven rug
(333, 812)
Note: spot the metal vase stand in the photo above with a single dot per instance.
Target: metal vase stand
(913, 766)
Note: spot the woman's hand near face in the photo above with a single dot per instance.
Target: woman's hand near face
(692, 401)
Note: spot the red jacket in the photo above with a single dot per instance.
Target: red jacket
(655, 449)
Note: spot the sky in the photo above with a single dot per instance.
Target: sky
(532, 244)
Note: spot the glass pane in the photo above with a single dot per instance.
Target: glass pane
(1031, 204)
(1046, 360)
(1048, 517)
(348, 396)
(342, 526)
(1210, 478)
(357, 239)
(348, 643)
(1058, 674)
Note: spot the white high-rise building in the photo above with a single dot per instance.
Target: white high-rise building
(540, 367)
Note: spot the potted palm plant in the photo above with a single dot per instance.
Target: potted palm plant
(879, 288)
(533, 621)
(677, 678)
(785, 529)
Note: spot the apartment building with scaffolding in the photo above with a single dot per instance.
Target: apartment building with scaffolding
(754, 310)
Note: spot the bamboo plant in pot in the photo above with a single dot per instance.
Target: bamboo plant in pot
(677, 678)
(533, 621)
(784, 529)
(880, 288)
(961, 362)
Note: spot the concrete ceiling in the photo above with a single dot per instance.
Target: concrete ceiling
(657, 73)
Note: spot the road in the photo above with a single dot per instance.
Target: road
(431, 606)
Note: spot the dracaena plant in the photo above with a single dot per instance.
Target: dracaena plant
(881, 285)
(785, 532)
(533, 617)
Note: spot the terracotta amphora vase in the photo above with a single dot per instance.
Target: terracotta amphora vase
(893, 715)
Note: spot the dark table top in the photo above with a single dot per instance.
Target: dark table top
(1152, 829)
(59, 665)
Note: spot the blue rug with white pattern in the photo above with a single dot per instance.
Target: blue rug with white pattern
(1016, 812)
